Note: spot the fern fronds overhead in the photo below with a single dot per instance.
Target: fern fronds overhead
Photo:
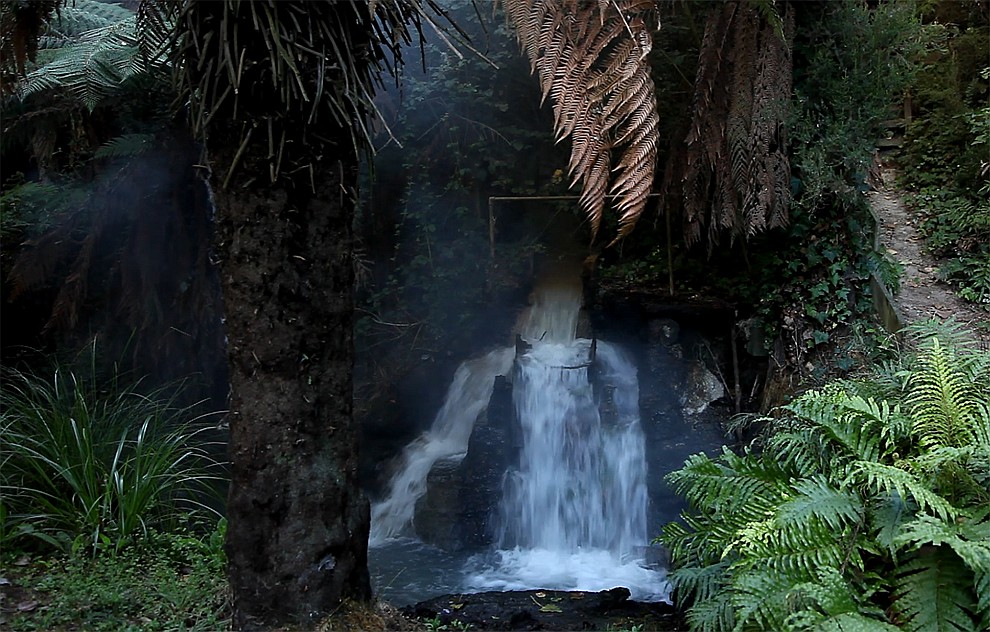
(590, 58)
(91, 66)
(735, 175)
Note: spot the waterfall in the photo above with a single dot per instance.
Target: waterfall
(447, 438)
(580, 483)
(573, 511)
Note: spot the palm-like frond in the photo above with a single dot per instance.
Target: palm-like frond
(91, 66)
(591, 60)
(274, 75)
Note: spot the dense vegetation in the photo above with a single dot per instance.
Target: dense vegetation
(946, 156)
(863, 505)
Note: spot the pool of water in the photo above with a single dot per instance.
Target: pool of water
(406, 571)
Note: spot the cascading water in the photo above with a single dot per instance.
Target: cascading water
(467, 395)
(573, 511)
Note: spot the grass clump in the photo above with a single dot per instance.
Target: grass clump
(90, 464)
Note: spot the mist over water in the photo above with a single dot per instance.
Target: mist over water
(573, 510)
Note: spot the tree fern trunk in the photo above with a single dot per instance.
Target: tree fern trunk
(298, 526)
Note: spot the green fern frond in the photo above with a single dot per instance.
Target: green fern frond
(941, 399)
(933, 592)
(763, 599)
(819, 499)
(852, 426)
(886, 514)
(833, 603)
(92, 67)
(853, 622)
(981, 583)
(883, 479)
(125, 145)
(699, 583)
(748, 485)
(970, 540)
(80, 16)
(797, 551)
(712, 615)
(948, 332)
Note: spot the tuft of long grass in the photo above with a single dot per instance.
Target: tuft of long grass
(96, 464)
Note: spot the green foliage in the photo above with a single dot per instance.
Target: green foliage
(172, 581)
(944, 158)
(125, 145)
(849, 61)
(864, 506)
(90, 53)
(93, 465)
(30, 208)
(956, 225)
(808, 281)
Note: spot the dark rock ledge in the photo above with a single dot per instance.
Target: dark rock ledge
(545, 610)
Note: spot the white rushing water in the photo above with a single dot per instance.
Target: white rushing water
(573, 512)
(448, 438)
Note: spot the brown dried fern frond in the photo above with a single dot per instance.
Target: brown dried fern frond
(590, 58)
(736, 175)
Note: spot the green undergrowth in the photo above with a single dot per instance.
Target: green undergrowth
(863, 505)
(93, 463)
(170, 581)
(945, 159)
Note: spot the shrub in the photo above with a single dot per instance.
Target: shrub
(91, 464)
(866, 506)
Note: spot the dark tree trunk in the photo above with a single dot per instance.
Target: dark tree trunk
(277, 87)
(298, 525)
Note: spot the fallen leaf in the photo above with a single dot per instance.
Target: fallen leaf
(27, 606)
(456, 606)
(23, 560)
(541, 594)
(550, 608)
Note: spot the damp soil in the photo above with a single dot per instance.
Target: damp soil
(922, 295)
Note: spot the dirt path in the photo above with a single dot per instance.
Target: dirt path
(922, 295)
